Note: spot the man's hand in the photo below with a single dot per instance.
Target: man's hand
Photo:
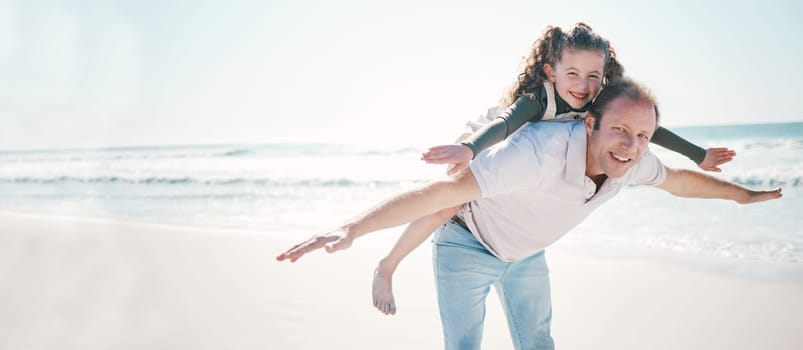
(331, 241)
(716, 156)
(457, 155)
(753, 196)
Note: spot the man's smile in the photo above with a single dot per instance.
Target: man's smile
(620, 158)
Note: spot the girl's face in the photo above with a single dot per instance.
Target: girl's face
(577, 76)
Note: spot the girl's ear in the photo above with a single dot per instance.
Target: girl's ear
(550, 72)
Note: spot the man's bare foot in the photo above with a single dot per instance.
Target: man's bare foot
(383, 293)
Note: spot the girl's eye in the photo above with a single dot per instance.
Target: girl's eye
(594, 76)
(619, 129)
(573, 74)
(644, 137)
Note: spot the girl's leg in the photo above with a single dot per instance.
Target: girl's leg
(415, 234)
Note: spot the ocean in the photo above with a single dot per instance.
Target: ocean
(304, 188)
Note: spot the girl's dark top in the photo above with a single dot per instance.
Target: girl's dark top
(526, 110)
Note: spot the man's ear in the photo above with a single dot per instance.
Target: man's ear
(550, 72)
(589, 123)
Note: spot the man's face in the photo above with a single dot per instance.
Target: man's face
(623, 136)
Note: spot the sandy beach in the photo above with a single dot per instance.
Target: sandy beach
(70, 283)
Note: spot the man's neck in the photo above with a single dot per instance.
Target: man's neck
(599, 180)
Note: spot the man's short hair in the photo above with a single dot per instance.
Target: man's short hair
(623, 86)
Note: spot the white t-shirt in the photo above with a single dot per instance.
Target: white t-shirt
(534, 188)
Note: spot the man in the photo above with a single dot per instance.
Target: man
(522, 195)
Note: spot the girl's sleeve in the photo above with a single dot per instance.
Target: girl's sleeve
(669, 140)
(522, 111)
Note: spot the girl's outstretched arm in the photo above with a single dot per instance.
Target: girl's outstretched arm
(708, 160)
(520, 112)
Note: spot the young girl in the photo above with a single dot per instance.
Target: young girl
(562, 75)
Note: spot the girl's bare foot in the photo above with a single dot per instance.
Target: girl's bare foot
(383, 293)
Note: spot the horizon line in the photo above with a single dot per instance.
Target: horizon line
(290, 141)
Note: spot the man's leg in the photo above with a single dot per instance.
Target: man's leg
(464, 273)
(525, 295)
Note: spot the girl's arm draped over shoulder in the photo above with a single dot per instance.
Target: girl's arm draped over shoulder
(522, 111)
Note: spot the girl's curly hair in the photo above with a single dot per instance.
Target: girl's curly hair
(548, 50)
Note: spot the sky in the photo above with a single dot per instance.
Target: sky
(84, 74)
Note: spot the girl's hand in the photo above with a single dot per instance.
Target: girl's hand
(715, 157)
(457, 155)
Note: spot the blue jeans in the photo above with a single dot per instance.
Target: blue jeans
(464, 273)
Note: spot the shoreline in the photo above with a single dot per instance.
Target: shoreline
(98, 284)
(760, 269)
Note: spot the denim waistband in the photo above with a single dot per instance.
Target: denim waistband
(459, 221)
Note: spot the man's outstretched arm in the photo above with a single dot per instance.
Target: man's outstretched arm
(691, 184)
(397, 210)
